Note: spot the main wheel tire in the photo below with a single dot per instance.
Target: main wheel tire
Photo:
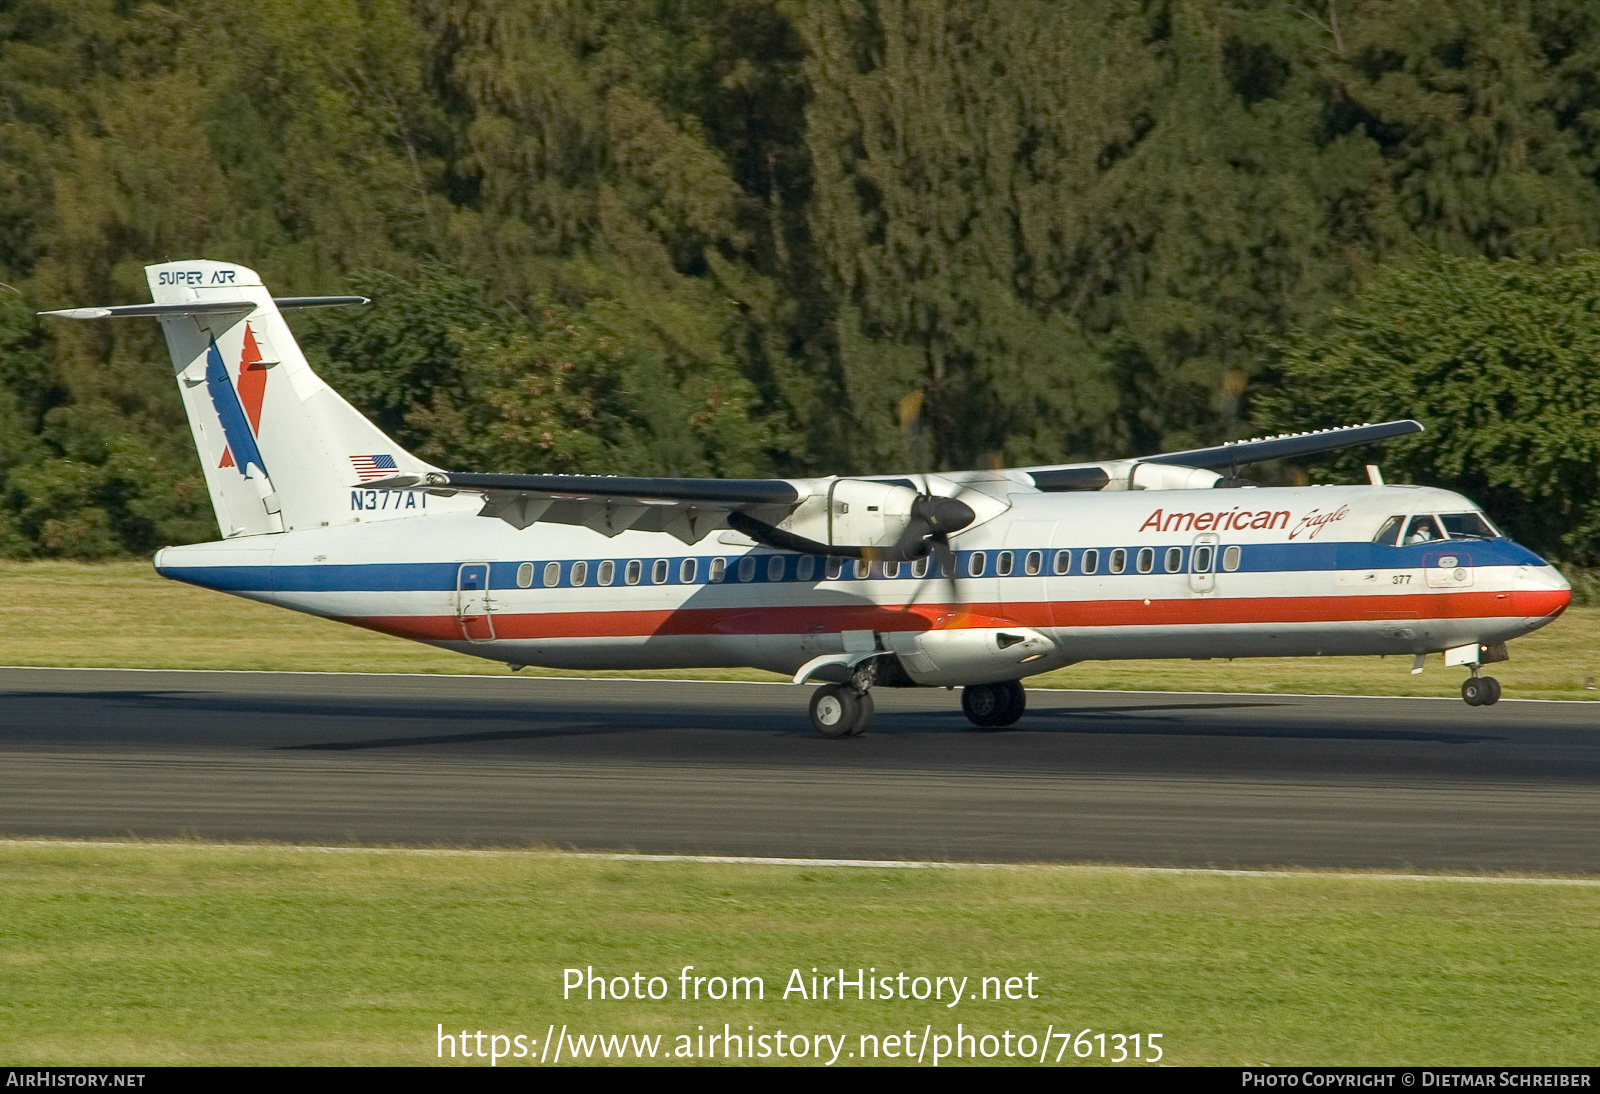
(1493, 697)
(1016, 702)
(994, 706)
(1475, 690)
(981, 703)
(835, 710)
(864, 718)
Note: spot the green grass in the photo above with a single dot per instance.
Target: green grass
(187, 953)
(121, 615)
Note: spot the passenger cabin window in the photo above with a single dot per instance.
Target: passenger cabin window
(1389, 532)
(1201, 560)
(805, 568)
(1467, 526)
(862, 568)
(719, 570)
(580, 573)
(634, 571)
(1422, 530)
(686, 570)
(835, 568)
(1033, 563)
(1091, 561)
(1002, 564)
(1230, 559)
(1119, 560)
(775, 566)
(1146, 559)
(1063, 561)
(607, 572)
(552, 574)
(747, 568)
(976, 562)
(919, 568)
(891, 569)
(525, 575)
(658, 572)
(1174, 559)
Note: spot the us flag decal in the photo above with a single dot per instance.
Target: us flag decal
(374, 467)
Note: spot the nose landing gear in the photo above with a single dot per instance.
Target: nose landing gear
(994, 706)
(1480, 691)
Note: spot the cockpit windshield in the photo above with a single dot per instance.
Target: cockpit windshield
(1421, 530)
(1467, 526)
(1390, 529)
(1427, 529)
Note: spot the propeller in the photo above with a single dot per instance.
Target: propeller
(955, 515)
(928, 527)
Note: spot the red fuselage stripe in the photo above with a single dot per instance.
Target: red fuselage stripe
(831, 619)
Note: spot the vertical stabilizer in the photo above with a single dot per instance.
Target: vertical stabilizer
(281, 449)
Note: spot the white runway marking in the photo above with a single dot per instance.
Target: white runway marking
(748, 860)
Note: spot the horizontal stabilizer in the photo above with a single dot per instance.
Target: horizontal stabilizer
(292, 303)
(202, 307)
(157, 311)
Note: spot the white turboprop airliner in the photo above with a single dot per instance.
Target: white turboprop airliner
(974, 579)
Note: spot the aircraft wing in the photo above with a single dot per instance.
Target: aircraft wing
(1286, 446)
(1223, 457)
(686, 508)
(690, 509)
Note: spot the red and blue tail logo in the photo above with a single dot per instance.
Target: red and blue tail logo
(239, 412)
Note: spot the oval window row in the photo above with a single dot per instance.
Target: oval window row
(1201, 560)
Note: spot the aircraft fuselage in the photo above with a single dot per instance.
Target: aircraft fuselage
(1099, 575)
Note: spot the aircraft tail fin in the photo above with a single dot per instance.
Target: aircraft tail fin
(280, 448)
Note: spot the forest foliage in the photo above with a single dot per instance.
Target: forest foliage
(740, 237)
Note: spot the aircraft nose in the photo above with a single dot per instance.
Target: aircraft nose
(1540, 593)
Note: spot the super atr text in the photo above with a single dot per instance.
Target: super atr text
(815, 986)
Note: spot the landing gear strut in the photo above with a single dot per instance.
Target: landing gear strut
(994, 706)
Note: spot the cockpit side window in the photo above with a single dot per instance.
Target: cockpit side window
(1389, 532)
(1467, 526)
(1421, 530)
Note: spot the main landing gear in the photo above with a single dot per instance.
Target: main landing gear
(994, 706)
(1480, 691)
(845, 710)
(839, 710)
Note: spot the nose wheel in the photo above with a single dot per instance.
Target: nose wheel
(994, 706)
(1480, 691)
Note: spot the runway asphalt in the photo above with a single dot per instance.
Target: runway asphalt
(734, 769)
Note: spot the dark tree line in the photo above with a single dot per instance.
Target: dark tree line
(752, 236)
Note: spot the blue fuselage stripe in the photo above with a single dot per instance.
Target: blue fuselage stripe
(1254, 558)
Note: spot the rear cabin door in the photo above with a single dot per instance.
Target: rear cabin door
(474, 608)
(1203, 563)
